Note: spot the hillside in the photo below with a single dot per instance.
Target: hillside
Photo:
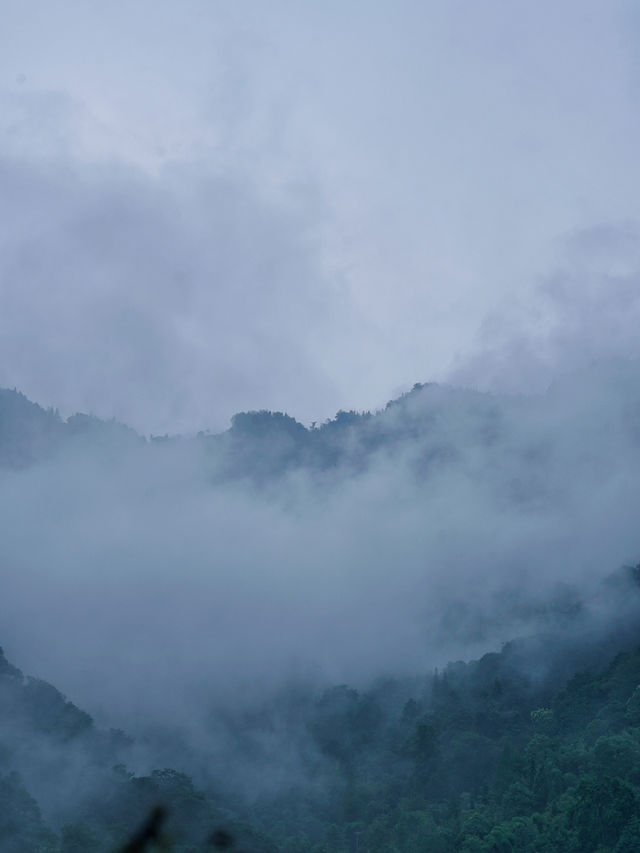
(485, 756)
(263, 630)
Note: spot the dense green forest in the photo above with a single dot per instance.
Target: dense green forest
(484, 757)
(532, 747)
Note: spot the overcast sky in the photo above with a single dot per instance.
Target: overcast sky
(213, 206)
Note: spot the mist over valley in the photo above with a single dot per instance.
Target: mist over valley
(231, 619)
(199, 596)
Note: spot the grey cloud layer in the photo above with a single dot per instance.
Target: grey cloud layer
(189, 298)
(208, 208)
(587, 310)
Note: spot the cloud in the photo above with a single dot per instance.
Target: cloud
(584, 312)
(210, 208)
(340, 228)
(170, 301)
(146, 591)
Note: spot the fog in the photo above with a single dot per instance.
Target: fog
(211, 207)
(149, 588)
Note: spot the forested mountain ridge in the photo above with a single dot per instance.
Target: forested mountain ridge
(257, 444)
(424, 430)
(486, 757)
(262, 611)
(29, 433)
(55, 761)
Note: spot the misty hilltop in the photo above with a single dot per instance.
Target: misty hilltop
(487, 756)
(434, 527)
(425, 429)
(258, 444)
(273, 611)
(261, 445)
(278, 604)
(30, 434)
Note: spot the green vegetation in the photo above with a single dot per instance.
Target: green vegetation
(472, 763)
(534, 749)
(476, 768)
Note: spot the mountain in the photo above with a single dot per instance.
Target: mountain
(64, 785)
(30, 434)
(486, 756)
(263, 611)
(27, 431)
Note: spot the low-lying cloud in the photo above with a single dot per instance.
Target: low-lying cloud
(145, 587)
